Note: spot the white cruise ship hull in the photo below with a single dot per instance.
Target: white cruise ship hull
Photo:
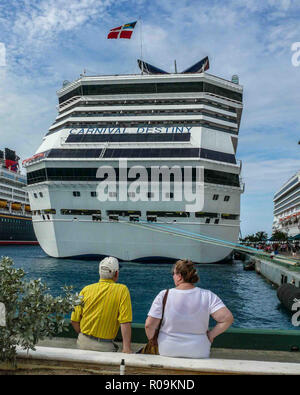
(174, 122)
(129, 242)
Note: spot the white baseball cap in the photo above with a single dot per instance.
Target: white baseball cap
(109, 265)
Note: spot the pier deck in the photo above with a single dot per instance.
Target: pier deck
(237, 351)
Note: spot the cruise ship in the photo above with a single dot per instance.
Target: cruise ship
(152, 120)
(15, 214)
(287, 207)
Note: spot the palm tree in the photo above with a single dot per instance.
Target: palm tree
(261, 236)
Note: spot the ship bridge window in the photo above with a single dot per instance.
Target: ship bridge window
(93, 193)
(215, 197)
(76, 193)
(142, 88)
(226, 198)
(35, 195)
(97, 218)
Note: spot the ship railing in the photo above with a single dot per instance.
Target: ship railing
(35, 158)
(223, 98)
(69, 102)
(8, 211)
(11, 175)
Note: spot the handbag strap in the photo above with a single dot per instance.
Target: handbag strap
(163, 309)
(153, 341)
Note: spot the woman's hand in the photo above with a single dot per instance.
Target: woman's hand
(210, 336)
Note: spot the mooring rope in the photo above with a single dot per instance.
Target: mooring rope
(204, 239)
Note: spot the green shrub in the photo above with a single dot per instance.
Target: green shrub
(31, 313)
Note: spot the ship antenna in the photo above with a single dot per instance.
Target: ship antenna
(175, 66)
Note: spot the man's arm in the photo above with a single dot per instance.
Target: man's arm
(126, 336)
(76, 326)
(224, 319)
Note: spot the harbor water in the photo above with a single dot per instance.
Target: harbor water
(252, 300)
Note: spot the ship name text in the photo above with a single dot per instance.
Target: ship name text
(139, 130)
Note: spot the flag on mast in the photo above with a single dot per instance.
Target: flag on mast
(124, 31)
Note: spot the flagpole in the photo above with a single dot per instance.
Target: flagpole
(141, 38)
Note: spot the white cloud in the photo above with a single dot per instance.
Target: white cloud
(48, 41)
(2, 55)
(267, 176)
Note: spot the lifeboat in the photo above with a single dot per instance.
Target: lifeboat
(16, 206)
(3, 204)
(27, 208)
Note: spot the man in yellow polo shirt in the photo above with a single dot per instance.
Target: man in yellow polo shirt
(106, 306)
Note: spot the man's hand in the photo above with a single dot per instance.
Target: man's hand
(76, 326)
(127, 350)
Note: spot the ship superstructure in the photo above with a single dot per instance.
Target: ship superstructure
(187, 120)
(15, 214)
(287, 207)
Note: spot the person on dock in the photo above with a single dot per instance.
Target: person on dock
(106, 307)
(184, 329)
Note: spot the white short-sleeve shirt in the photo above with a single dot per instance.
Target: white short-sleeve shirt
(185, 322)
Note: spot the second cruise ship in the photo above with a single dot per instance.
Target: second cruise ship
(287, 207)
(153, 120)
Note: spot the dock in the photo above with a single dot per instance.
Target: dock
(235, 352)
(279, 270)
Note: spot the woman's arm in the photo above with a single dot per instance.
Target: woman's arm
(224, 319)
(151, 325)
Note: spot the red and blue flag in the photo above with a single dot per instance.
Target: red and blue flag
(124, 31)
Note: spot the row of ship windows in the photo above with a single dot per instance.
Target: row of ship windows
(292, 200)
(146, 113)
(132, 194)
(139, 124)
(152, 102)
(114, 215)
(89, 174)
(12, 190)
(141, 153)
(14, 221)
(151, 87)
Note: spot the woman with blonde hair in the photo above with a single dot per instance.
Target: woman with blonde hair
(184, 328)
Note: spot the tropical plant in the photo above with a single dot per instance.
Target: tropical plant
(261, 236)
(279, 236)
(29, 313)
(257, 237)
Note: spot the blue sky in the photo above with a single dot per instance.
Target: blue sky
(44, 42)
